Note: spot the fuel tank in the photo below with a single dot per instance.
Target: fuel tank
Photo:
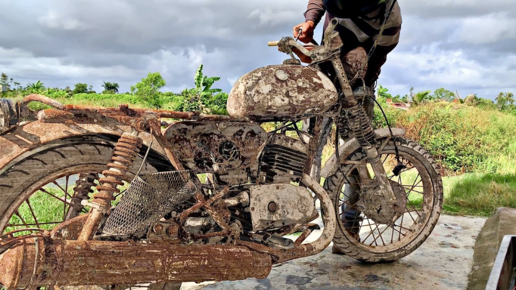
(281, 92)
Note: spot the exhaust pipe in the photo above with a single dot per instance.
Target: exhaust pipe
(42, 262)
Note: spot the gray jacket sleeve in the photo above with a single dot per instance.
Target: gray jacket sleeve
(315, 11)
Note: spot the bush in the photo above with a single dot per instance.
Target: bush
(463, 138)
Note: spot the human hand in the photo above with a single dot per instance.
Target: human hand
(307, 33)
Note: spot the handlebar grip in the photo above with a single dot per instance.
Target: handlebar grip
(273, 43)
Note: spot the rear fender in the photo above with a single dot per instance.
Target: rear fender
(29, 138)
(351, 146)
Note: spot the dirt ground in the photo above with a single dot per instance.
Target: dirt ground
(442, 262)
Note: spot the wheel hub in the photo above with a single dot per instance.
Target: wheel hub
(376, 207)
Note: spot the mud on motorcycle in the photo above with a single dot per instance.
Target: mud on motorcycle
(131, 198)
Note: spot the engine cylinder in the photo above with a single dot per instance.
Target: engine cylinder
(42, 262)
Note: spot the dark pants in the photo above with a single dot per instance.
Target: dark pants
(351, 42)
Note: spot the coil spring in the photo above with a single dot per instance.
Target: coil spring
(124, 154)
(360, 126)
(83, 188)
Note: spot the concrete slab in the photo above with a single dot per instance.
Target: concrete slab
(486, 247)
(442, 262)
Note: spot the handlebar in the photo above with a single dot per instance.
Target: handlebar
(287, 43)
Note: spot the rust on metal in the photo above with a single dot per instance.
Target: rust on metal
(201, 202)
(70, 229)
(276, 92)
(44, 100)
(41, 262)
(207, 147)
(54, 116)
(126, 148)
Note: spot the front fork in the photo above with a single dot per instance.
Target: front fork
(361, 128)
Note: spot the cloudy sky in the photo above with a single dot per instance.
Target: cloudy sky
(464, 45)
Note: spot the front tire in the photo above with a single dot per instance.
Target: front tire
(363, 239)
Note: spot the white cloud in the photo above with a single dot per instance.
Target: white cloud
(487, 29)
(432, 68)
(55, 20)
(469, 45)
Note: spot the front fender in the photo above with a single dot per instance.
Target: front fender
(351, 146)
(24, 140)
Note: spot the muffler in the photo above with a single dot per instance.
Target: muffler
(43, 262)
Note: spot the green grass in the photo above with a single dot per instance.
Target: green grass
(479, 194)
(464, 139)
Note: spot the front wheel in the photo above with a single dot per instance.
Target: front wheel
(419, 187)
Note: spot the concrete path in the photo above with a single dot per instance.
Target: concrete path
(442, 262)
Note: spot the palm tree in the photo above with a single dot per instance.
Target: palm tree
(510, 98)
(421, 97)
(35, 87)
(503, 99)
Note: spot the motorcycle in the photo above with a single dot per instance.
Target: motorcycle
(117, 197)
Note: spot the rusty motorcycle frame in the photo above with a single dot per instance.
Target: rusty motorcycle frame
(171, 227)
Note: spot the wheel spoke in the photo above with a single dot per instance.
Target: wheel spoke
(60, 187)
(410, 215)
(400, 233)
(21, 218)
(379, 236)
(58, 198)
(414, 183)
(66, 197)
(32, 212)
(401, 223)
(29, 225)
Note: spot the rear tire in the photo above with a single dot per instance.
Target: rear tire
(25, 179)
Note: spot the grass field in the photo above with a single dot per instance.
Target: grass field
(479, 194)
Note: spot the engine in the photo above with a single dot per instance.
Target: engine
(223, 147)
(283, 160)
(279, 205)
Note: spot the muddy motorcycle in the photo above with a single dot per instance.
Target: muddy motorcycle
(117, 197)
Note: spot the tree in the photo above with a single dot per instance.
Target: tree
(444, 94)
(421, 97)
(4, 80)
(80, 88)
(148, 88)
(110, 88)
(503, 99)
(510, 97)
(36, 87)
(203, 97)
(383, 92)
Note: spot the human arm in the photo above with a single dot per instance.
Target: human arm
(314, 13)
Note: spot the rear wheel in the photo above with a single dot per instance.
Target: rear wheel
(39, 191)
(418, 186)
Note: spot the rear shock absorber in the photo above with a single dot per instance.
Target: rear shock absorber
(124, 154)
(83, 188)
